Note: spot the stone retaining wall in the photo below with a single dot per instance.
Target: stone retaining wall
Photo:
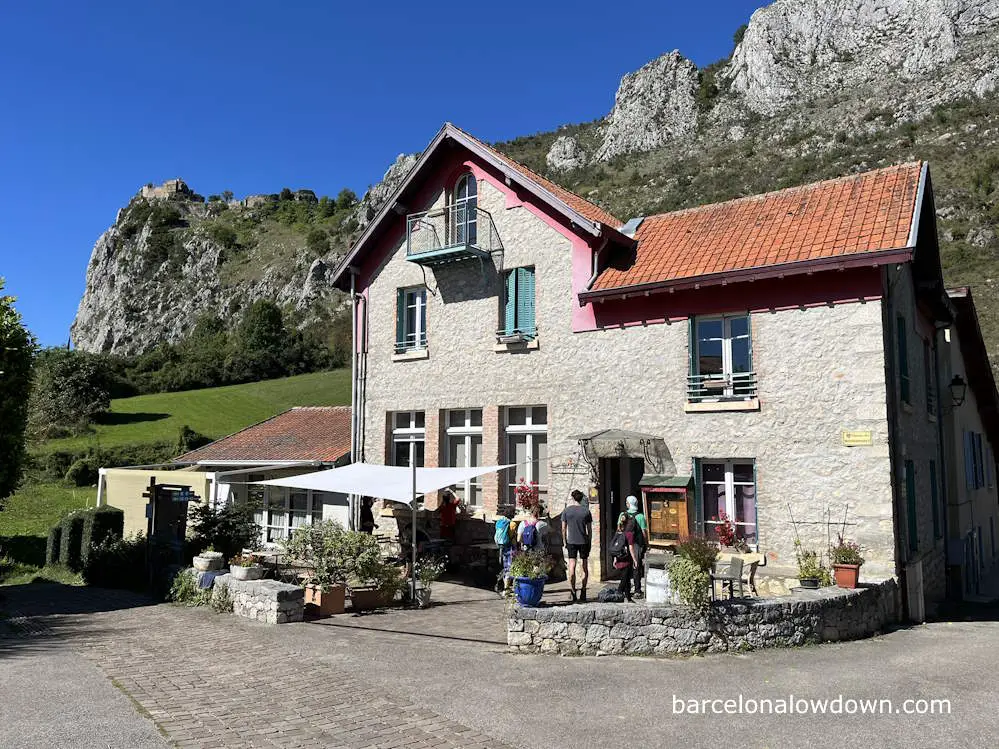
(828, 614)
(265, 601)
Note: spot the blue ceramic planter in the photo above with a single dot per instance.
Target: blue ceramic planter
(529, 590)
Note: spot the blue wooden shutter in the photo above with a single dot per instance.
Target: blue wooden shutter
(510, 303)
(400, 320)
(698, 498)
(525, 301)
(910, 505)
(903, 360)
(934, 498)
(692, 345)
(969, 466)
(979, 462)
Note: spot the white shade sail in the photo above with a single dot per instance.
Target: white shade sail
(385, 482)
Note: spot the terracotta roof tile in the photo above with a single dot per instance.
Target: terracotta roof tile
(308, 433)
(582, 206)
(862, 213)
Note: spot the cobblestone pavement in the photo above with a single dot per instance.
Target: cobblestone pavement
(442, 678)
(210, 680)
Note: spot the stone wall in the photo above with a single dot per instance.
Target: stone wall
(825, 615)
(266, 601)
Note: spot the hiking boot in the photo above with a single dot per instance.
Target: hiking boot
(582, 595)
(639, 594)
(572, 596)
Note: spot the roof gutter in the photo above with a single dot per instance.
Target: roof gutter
(801, 267)
(265, 463)
(918, 209)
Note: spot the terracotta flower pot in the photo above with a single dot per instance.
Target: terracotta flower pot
(846, 575)
(328, 602)
(366, 599)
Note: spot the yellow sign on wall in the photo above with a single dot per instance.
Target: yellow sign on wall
(858, 438)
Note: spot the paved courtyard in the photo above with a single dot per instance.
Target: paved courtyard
(443, 678)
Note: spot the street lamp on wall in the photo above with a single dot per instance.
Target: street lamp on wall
(958, 391)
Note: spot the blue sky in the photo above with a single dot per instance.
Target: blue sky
(98, 99)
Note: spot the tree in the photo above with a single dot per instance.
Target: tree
(70, 388)
(17, 348)
(346, 198)
(227, 195)
(258, 344)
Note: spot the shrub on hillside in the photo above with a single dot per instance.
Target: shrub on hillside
(53, 545)
(71, 540)
(100, 525)
(117, 563)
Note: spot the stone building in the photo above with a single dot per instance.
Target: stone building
(168, 189)
(777, 358)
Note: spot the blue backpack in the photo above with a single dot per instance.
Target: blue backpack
(530, 535)
(502, 534)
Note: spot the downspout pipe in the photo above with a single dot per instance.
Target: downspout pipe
(353, 390)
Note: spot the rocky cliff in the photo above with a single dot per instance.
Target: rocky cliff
(170, 257)
(848, 57)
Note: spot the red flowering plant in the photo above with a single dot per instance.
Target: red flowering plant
(527, 495)
(725, 529)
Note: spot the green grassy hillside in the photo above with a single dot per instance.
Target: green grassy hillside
(214, 412)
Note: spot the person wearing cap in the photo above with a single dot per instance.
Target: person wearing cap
(641, 539)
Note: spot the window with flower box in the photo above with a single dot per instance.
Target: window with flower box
(727, 489)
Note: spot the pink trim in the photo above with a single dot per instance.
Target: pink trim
(817, 290)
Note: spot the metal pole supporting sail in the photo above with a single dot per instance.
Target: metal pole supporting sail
(412, 539)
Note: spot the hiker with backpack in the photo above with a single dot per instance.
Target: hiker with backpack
(504, 535)
(635, 524)
(624, 552)
(530, 534)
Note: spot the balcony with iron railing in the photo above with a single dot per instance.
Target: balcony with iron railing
(716, 388)
(451, 234)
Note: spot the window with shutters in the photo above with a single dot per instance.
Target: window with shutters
(727, 489)
(411, 320)
(518, 321)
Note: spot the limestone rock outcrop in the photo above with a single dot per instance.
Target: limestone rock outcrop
(799, 50)
(565, 154)
(653, 106)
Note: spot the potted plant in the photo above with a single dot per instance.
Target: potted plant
(811, 571)
(846, 560)
(245, 567)
(428, 571)
(325, 548)
(378, 585)
(727, 537)
(529, 570)
(208, 560)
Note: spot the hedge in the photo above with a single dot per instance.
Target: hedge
(71, 541)
(99, 525)
(52, 548)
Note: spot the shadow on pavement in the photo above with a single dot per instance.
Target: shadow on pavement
(40, 616)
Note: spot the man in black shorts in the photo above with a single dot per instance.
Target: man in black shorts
(577, 530)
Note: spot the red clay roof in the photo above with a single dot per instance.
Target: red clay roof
(848, 216)
(307, 433)
(582, 206)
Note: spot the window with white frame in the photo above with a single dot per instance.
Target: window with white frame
(409, 436)
(729, 487)
(278, 510)
(464, 450)
(411, 319)
(721, 365)
(527, 447)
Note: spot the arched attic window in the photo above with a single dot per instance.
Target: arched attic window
(463, 213)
